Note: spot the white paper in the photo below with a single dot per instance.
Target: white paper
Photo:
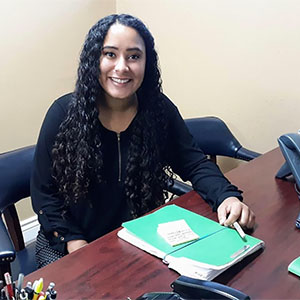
(176, 232)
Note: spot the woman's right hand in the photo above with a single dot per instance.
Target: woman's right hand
(75, 245)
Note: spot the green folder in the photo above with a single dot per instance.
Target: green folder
(294, 266)
(217, 248)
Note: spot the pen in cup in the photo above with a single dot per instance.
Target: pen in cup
(9, 285)
(20, 281)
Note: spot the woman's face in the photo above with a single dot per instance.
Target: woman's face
(122, 62)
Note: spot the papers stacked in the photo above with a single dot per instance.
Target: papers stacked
(208, 249)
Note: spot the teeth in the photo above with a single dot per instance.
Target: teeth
(118, 80)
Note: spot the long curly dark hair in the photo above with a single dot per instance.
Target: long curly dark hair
(76, 153)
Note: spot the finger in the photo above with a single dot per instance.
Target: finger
(232, 217)
(222, 214)
(245, 216)
(251, 220)
(234, 213)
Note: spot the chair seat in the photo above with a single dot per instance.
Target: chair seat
(25, 261)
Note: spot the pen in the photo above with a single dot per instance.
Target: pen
(9, 287)
(29, 290)
(53, 295)
(23, 295)
(51, 287)
(20, 281)
(239, 229)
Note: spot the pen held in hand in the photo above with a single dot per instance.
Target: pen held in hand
(239, 229)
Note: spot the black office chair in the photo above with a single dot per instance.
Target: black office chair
(15, 169)
(215, 139)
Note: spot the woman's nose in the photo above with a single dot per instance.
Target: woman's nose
(121, 65)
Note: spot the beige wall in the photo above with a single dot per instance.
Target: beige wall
(40, 46)
(236, 59)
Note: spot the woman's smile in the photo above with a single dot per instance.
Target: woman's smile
(120, 80)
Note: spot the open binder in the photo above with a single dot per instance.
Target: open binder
(217, 248)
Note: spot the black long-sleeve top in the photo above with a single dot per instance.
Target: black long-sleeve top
(107, 207)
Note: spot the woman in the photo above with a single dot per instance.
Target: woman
(106, 151)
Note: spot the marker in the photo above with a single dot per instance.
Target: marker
(239, 229)
(38, 289)
(9, 285)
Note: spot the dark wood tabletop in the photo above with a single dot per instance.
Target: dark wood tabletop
(110, 268)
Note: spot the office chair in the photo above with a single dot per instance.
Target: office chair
(15, 169)
(215, 139)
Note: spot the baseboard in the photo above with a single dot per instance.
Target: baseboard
(30, 228)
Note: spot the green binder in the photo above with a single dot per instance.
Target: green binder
(217, 248)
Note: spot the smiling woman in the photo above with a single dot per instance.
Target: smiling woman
(122, 68)
(107, 151)
(122, 63)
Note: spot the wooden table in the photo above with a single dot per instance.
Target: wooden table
(110, 268)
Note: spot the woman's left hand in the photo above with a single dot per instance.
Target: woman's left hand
(232, 209)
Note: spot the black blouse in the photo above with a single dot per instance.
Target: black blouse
(106, 207)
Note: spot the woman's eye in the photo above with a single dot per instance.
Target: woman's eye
(134, 57)
(109, 54)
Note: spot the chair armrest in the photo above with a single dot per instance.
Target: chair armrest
(179, 188)
(7, 251)
(246, 154)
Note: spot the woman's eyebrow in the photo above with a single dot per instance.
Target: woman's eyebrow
(109, 47)
(134, 49)
(128, 49)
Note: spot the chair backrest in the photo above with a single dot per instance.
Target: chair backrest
(15, 170)
(215, 138)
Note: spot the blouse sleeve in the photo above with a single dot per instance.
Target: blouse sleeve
(190, 163)
(45, 200)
